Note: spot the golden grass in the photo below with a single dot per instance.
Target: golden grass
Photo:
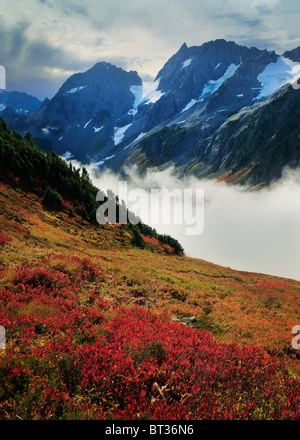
(39, 309)
(236, 306)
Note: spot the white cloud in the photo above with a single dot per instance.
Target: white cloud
(142, 35)
(245, 230)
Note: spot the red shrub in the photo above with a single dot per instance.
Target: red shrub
(72, 354)
(157, 244)
(75, 267)
(4, 239)
(41, 278)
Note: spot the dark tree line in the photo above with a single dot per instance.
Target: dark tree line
(49, 175)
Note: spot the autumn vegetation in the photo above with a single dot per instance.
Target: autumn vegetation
(99, 326)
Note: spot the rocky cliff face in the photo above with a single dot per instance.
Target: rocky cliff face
(293, 55)
(194, 75)
(86, 111)
(186, 117)
(19, 102)
(255, 145)
(101, 92)
(203, 137)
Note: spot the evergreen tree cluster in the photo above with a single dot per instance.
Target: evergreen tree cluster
(50, 175)
(163, 238)
(48, 172)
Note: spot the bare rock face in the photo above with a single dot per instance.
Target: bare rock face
(19, 102)
(212, 109)
(82, 115)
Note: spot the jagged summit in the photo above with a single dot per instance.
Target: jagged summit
(108, 116)
(19, 102)
(293, 55)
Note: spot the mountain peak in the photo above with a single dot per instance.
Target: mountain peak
(217, 41)
(102, 65)
(198, 89)
(21, 102)
(183, 47)
(293, 55)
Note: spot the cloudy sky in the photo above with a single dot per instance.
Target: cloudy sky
(44, 41)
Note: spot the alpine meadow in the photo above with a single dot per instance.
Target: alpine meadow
(149, 213)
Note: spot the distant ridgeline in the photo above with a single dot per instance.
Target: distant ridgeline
(218, 111)
(60, 185)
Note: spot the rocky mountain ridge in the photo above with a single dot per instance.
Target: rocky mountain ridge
(108, 116)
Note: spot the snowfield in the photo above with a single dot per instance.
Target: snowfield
(275, 75)
(97, 129)
(148, 93)
(119, 133)
(87, 124)
(214, 85)
(76, 89)
(135, 140)
(189, 105)
(186, 63)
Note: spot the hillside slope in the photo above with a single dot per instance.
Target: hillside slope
(96, 328)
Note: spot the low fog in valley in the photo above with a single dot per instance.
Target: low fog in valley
(256, 231)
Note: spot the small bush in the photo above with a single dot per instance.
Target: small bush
(44, 279)
(4, 239)
(74, 267)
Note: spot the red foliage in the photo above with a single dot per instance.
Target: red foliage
(78, 356)
(67, 205)
(75, 267)
(4, 239)
(157, 244)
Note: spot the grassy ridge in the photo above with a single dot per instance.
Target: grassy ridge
(60, 185)
(97, 328)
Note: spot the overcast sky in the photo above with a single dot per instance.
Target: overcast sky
(44, 41)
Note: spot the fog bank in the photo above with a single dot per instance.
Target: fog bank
(256, 231)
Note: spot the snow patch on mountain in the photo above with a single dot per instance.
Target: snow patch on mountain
(151, 92)
(21, 111)
(119, 133)
(137, 91)
(148, 93)
(132, 112)
(97, 129)
(186, 63)
(189, 105)
(76, 89)
(2, 107)
(275, 75)
(87, 124)
(101, 162)
(214, 85)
